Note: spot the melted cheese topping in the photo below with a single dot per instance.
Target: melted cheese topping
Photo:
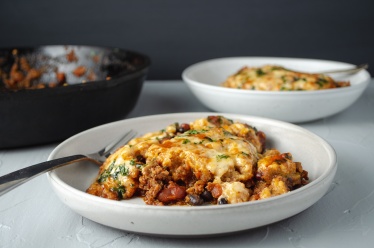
(225, 156)
(277, 78)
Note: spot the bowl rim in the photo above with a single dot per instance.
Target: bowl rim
(190, 69)
(88, 84)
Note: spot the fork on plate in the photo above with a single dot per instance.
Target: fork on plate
(16, 178)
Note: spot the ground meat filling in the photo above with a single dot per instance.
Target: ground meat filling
(153, 179)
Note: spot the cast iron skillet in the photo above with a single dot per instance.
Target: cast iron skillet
(38, 116)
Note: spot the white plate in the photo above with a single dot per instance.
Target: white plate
(70, 182)
(204, 79)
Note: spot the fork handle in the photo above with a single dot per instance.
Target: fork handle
(16, 178)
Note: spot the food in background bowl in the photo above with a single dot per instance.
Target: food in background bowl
(205, 79)
(211, 160)
(278, 78)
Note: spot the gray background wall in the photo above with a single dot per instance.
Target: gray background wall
(176, 33)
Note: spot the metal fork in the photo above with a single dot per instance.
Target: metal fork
(16, 178)
(346, 71)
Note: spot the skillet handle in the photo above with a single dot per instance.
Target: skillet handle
(16, 178)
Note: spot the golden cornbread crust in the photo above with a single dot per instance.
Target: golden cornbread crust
(277, 78)
(212, 160)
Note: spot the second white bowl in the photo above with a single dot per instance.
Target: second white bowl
(204, 79)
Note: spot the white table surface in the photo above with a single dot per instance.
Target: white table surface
(33, 216)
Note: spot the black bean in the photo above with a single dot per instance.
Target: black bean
(222, 201)
(140, 159)
(207, 196)
(195, 200)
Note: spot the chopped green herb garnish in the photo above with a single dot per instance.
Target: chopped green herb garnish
(226, 133)
(199, 143)
(222, 156)
(104, 176)
(260, 72)
(120, 190)
(321, 81)
(186, 141)
(121, 170)
(193, 131)
(113, 172)
(284, 79)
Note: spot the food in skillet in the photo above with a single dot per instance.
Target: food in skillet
(211, 160)
(26, 72)
(277, 78)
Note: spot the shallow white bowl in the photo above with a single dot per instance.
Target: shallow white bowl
(70, 182)
(204, 80)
